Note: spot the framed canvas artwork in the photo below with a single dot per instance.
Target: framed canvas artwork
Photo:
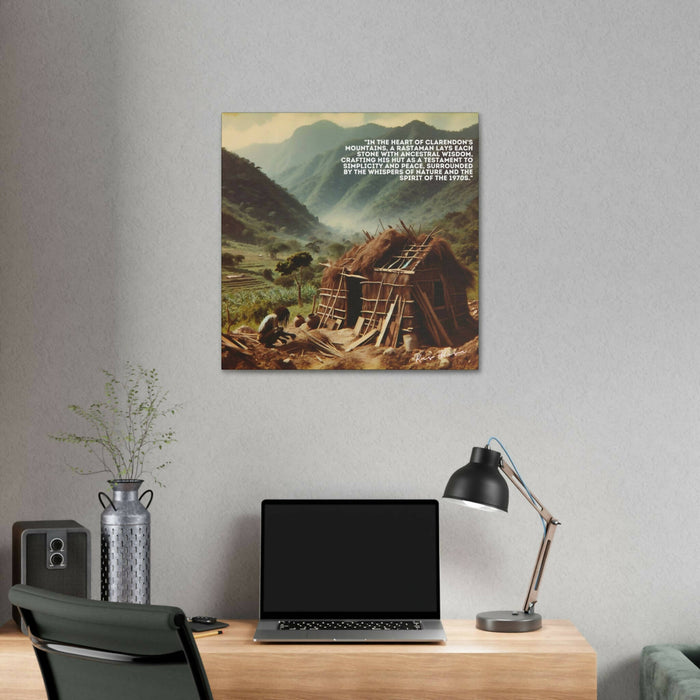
(350, 241)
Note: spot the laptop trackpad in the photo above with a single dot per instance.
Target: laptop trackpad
(342, 636)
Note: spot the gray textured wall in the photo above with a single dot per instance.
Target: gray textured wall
(109, 216)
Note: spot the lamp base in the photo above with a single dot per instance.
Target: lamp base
(508, 621)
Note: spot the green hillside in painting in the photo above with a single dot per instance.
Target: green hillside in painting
(254, 207)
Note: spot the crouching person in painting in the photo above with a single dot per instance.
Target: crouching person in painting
(271, 328)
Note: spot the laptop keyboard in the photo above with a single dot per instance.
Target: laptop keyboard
(387, 625)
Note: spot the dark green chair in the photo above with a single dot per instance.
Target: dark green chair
(670, 672)
(89, 650)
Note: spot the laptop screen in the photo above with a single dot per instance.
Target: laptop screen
(350, 559)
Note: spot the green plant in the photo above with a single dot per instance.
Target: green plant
(231, 260)
(123, 431)
(292, 266)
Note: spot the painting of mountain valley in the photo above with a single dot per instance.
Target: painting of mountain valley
(350, 241)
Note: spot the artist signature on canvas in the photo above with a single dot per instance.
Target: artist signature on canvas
(428, 356)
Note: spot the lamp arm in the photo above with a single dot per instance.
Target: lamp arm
(550, 528)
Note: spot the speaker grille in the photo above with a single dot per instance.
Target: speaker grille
(72, 580)
(31, 555)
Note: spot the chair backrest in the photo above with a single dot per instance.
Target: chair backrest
(111, 651)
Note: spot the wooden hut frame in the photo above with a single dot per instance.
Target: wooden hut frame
(396, 283)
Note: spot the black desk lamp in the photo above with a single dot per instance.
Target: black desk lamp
(480, 485)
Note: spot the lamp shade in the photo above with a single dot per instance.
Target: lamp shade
(480, 482)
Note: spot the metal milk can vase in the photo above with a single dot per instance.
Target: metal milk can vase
(126, 543)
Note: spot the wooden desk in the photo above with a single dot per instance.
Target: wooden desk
(555, 662)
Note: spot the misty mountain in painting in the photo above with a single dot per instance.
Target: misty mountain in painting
(354, 202)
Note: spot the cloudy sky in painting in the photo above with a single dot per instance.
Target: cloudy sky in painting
(240, 129)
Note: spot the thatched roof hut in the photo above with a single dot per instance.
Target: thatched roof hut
(399, 282)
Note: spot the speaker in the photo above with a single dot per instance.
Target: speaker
(51, 554)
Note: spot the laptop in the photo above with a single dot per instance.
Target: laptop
(349, 571)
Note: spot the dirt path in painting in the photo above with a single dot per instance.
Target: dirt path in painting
(326, 349)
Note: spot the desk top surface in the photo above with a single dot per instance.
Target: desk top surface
(555, 637)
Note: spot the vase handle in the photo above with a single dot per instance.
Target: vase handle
(150, 499)
(99, 497)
